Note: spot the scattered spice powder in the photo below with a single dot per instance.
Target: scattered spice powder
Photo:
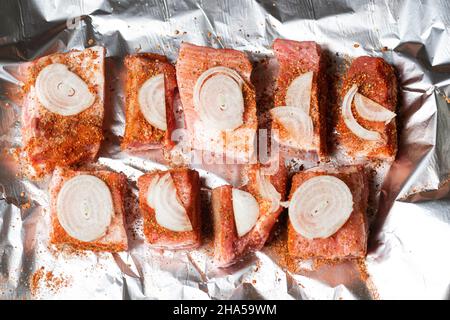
(26, 205)
(36, 279)
(16, 154)
(54, 283)
(47, 280)
(364, 275)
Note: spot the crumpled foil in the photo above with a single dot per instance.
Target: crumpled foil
(408, 246)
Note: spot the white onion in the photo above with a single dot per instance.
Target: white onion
(152, 101)
(84, 207)
(169, 212)
(320, 207)
(268, 191)
(351, 122)
(61, 91)
(246, 211)
(297, 123)
(298, 93)
(371, 110)
(218, 98)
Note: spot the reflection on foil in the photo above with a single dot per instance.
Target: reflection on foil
(407, 256)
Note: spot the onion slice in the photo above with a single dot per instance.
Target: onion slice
(268, 191)
(84, 207)
(61, 91)
(218, 98)
(320, 207)
(152, 101)
(169, 212)
(297, 124)
(350, 120)
(298, 93)
(246, 211)
(371, 110)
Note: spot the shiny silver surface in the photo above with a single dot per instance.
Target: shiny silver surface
(408, 250)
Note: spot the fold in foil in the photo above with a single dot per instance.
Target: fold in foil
(408, 255)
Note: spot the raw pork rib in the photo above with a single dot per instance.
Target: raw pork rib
(295, 59)
(51, 139)
(350, 241)
(115, 238)
(377, 81)
(228, 246)
(192, 62)
(187, 185)
(140, 134)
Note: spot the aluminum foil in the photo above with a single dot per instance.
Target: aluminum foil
(408, 246)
